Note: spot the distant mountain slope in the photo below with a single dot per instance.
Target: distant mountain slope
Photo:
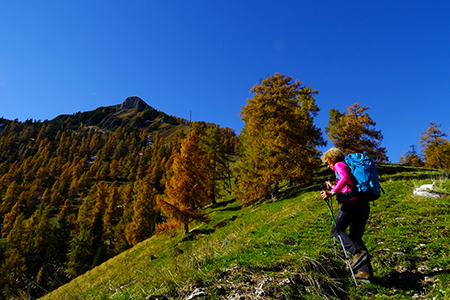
(73, 184)
(132, 112)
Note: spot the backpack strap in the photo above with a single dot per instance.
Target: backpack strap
(351, 195)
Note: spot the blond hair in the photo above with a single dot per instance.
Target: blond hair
(333, 154)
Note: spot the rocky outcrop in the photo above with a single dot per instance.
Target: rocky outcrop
(134, 102)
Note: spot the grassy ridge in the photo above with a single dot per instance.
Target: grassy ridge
(284, 250)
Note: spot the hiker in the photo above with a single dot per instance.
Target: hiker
(353, 213)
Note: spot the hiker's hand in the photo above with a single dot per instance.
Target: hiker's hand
(329, 184)
(326, 194)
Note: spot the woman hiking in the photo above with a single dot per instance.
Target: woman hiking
(353, 213)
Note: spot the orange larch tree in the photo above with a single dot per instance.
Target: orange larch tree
(435, 147)
(279, 140)
(187, 190)
(354, 131)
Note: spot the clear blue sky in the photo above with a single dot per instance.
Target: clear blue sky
(204, 56)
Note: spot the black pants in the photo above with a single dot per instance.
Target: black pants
(353, 214)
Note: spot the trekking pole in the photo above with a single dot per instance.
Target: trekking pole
(335, 251)
(334, 239)
(340, 239)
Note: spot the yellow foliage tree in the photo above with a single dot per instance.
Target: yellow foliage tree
(9, 219)
(411, 158)
(187, 190)
(10, 198)
(435, 147)
(279, 140)
(354, 131)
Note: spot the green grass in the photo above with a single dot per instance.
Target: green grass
(286, 249)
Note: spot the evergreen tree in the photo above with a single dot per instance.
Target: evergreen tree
(53, 271)
(81, 254)
(35, 238)
(13, 270)
(113, 212)
(159, 153)
(230, 142)
(217, 154)
(81, 246)
(101, 196)
(142, 224)
(41, 230)
(120, 237)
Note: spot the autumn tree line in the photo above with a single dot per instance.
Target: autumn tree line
(71, 198)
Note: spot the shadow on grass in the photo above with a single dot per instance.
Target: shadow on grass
(193, 235)
(322, 175)
(225, 222)
(223, 203)
(407, 280)
(295, 191)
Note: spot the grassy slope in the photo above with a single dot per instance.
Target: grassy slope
(284, 250)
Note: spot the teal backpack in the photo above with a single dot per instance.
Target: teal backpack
(365, 175)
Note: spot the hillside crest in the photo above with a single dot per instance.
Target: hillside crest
(134, 102)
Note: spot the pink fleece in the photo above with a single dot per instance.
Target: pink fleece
(345, 183)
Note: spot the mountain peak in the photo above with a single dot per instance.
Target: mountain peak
(134, 102)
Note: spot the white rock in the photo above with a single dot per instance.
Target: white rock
(197, 293)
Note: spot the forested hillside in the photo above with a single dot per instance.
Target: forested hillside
(81, 188)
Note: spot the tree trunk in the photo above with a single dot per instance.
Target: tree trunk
(275, 192)
(213, 195)
(289, 183)
(229, 178)
(186, 229)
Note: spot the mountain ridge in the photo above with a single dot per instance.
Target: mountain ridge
(134, 102)
(132, 112)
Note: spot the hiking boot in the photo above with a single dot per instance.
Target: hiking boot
(359, 258)
(363, 276)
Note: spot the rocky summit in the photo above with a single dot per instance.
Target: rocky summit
(134, 102)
